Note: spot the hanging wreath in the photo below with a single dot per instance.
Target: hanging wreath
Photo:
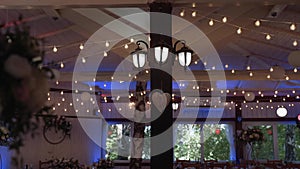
(56, 129)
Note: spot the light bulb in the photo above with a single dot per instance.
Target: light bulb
(292, 27)
(251, 74)
(131, 40)
(295, 70)
(295, 43)
(248, 68)
(239, 31)
(268, 37)
(83, 60)
(182, 13)
(211, 23)
(81, 46)
(105, 53)
(287, 78)
(224, 19)
(62, 65)
(257, 23)
(194, 13)
(54, 49)
(126, 46)
(107, 44)
(194, 5)
(271, 69)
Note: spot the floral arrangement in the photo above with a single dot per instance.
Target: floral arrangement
(24, 83)
(103, 164)
(65, 164)
(5, 138)
(251, 135)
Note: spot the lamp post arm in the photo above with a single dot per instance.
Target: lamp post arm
(141, 41)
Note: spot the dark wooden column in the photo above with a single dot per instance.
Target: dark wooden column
(161, 79)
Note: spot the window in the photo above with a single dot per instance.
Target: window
(203, 141)
(282, 140)
(118, 141)
(288, 142)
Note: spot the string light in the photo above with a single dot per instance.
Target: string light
(83, 60)
(211, 23)
(248, 68)
(55, 49)
(292, 27)
(126, 46)
(224, 19)
(226, 66)
(268, 76)
(287, 78)
(239, 31)
(232, 71)
(194, 5)
(271, 69)
(293, 91)
(107, 44)
(257, 23)
(295, 43)
(250, 74)
(81, 46)
(62, 65)
(131, 40)
(268, 37)
(104, 53)
(295, 70)
(194, 13)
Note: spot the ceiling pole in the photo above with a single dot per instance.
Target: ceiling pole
(161, 79)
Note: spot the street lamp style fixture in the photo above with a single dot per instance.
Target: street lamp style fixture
(161, 54)
(184, 54)
(139, 56)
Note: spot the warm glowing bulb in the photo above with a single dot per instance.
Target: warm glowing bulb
(126, 46)
(105, 53)
(295, 43)
(131, 40)
(194, 13)
(248, 68)
(287, 78)
(232, 71)
(211, 22)
(62, 65)
(83, 60)
(54, 49)
(107, 44)
(268, 36)
(292, 27)
(295, 70)
(224, 19)
(257, 23)
(239, 31)
(271, 69)
(182, 13)
(268, 76)
(81, 46)
(251, 74)
(194, 5)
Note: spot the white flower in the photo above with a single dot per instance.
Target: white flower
(17, 66)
